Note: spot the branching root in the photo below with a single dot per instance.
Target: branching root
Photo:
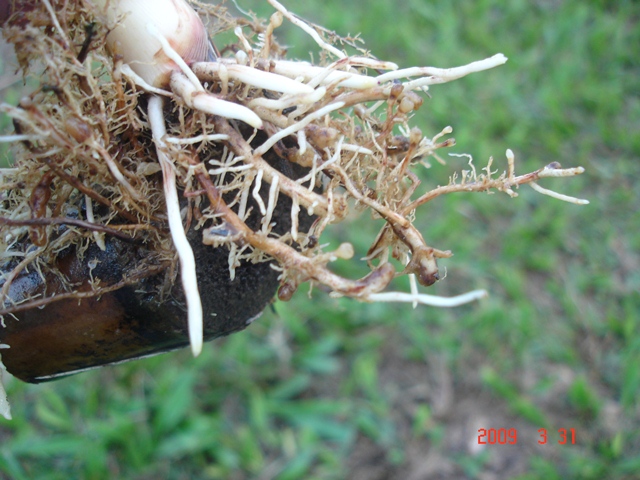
(221, 155)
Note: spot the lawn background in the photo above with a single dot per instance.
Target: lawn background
(324, 388)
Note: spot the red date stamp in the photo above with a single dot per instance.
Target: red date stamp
(509, 436)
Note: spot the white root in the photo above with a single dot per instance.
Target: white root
(19, 138)
(511, 166)
(251, 76)
(559, 196)
(289, 100)
(413, 288)
(117, 174)
(99, 237)
(428, 75)
(271, 205)
(302, 142)
(185, 253)
(548, 172)
(175, 56)
(264, 148)
(214, 137)
(256, 192)
(245, 43)
(223, 75)
(357, 149)
(440, 75)
(295, 210)
(207, 103)
(372, 63)
(424, 299)
(244, 198)
(307, 28)
(128, 72)
(56, 23)
(325, 76)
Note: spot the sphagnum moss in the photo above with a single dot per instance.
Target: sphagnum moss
(125, 93)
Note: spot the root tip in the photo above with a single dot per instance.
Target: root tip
(196, 348)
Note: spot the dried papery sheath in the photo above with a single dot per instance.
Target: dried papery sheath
(241, 169)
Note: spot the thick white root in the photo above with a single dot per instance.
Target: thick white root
(185, 253)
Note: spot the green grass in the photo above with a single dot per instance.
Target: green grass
(330, 389)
